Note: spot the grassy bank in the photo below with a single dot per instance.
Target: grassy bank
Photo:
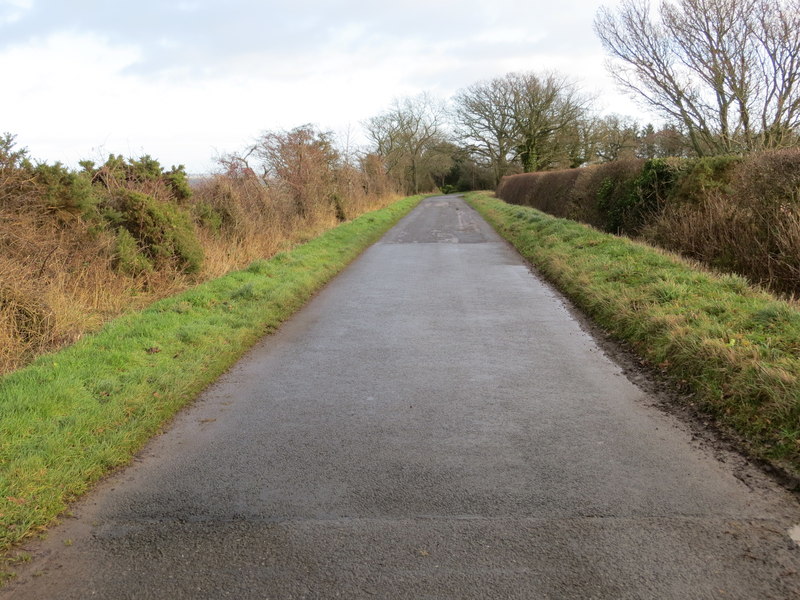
(738, 214)
(70, 417)
(79, 248)
(736, 348)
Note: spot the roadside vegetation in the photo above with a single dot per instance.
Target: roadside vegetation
(735, 347)
(79, 247)
(718, 180)
(72, 416)
(737, 214)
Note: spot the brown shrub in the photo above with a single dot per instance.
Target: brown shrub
(57, 282)
(554, 193)
(587, 194)
(240, 220)
(750, 226)
(739, 214)
(516, 189)
(768, 178)
(548, 191)
(376, 180)
(27, 323)
(59, 270)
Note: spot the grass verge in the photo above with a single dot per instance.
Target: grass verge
(69, 418)
(735, 347)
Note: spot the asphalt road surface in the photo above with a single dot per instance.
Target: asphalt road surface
(434, 424)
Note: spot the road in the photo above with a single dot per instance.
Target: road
(434, 424)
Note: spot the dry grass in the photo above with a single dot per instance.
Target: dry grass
(760, 242)
(58, 283)
(58, 279)
(257, 222)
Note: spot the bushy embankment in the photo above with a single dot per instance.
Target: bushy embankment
(70, 417)
(737, 348)
(738, 214)
(78, 247)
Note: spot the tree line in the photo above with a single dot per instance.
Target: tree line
(520, 122)
(510, 124)
(722, 75)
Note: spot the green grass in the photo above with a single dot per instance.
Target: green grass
(71, 417)
(735, 347)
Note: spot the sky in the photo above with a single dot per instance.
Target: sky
(187, 81)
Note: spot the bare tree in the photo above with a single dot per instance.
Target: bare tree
(376, 179)
(486, 125)
(543, 107)
(665, 142)
(580, 142)
(409, 137)
(616, 138)
(538, 120)
(728, 71)
(302, 162)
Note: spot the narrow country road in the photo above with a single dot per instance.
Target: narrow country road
(434, 424)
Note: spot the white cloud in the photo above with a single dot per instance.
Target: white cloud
(195, 78)
(11, 11)
(506, 35)
(74, 99)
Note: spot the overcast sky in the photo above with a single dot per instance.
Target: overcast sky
(187, 80)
